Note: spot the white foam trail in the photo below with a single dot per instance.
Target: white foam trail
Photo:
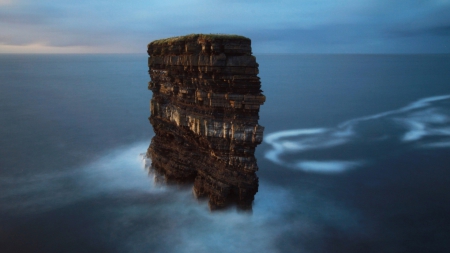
(417, 130)
(444, 144)
(421, 118)
(271, 138)
(328, 167)
(423, 123)
(280, 147)
(415, 105)
(442, 131)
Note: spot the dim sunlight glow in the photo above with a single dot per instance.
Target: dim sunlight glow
(37, 48)
(6, 2)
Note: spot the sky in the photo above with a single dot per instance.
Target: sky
(282, 26)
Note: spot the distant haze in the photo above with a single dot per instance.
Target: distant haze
(283, 26)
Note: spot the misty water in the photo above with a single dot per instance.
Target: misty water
(355, 158)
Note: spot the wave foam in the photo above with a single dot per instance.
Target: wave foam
(425, 120)
(328, 166)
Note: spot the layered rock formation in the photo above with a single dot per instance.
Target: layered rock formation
(204, 112)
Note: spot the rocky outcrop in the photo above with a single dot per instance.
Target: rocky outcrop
(204, 112)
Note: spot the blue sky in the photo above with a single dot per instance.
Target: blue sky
(282, 26)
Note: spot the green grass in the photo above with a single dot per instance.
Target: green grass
(208, 37)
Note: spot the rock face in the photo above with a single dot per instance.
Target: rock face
(204, 112)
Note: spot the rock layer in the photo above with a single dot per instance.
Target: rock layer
(204, 112)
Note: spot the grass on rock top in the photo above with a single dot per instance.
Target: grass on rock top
(208, 37)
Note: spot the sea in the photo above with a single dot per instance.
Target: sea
(355, 158)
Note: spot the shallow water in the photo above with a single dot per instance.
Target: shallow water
(355, 159)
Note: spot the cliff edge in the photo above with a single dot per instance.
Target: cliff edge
(205, 112)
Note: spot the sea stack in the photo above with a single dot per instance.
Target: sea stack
(205, 112)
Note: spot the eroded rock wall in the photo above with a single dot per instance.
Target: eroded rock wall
(204, 112)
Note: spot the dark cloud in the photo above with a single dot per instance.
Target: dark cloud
(336, 34)
(322, 26)
(440, 30)
(22, 18)
(31, 15)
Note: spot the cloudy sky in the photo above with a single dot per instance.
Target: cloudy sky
(282, 26)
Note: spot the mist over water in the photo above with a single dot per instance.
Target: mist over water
(352, 161)
(122, 174)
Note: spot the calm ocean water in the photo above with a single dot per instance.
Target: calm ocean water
(355, 159)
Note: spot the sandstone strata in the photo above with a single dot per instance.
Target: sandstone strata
(204, 112)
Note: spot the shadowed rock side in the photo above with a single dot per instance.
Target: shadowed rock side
(205, 111)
